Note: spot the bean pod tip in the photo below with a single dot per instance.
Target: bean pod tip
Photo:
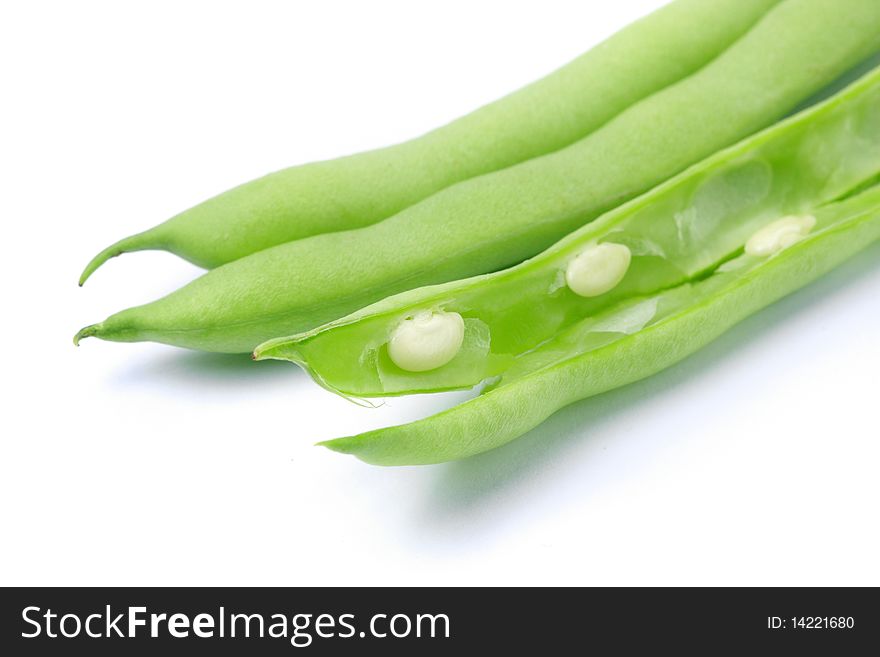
(86, 332)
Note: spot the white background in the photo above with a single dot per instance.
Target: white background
(754, 462)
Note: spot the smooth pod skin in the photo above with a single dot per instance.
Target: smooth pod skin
(701, 312)
(497, 220)
(671, 234)
(545, 116)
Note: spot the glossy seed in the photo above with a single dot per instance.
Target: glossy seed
(597, 269)
(779, 235)
(426, 341)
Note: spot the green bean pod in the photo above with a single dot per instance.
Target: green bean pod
(362, 189)
(499, 219)
(672, 234)
(583, 362)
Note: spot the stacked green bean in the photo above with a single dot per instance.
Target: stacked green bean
(499, 219)
(523, 247)
(545, 116)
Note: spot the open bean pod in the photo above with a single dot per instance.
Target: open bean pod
(760, 195)
(639, 337)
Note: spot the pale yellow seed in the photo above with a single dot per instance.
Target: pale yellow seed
(597, 269)
(426, 341)
(779, 235)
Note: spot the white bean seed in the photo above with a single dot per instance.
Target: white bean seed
(597, 269)
(426, 341)
(779, 235)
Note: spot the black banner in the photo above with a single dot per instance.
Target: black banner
(115, 621)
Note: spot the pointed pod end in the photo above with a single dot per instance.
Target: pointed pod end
(94, 263)
(340, 445)
(139, 242)
(273, 350)
(90, 268)
(86, 332)
(362, 447)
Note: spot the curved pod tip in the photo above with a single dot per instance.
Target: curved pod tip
(98, 260)
(87, 332)
(140, 242)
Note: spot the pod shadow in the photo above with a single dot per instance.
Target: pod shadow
(484, 482)
(184, 368)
